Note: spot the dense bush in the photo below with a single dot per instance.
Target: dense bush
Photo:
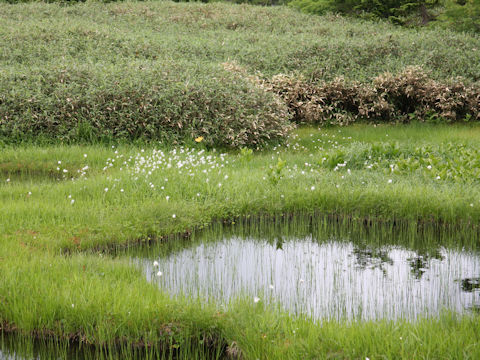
(252, 2)
(462, 15)
(389, 97)
(382, 9)
(166, 102)
(151, 70)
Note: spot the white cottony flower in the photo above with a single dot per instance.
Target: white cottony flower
(256, 299)
(429, 167)
(155, 263)
(312, 188)
(121, 190)
(85, 155)
(271, 286)
(167, 197)
(390, 181)
(72, 201)
(159, 273)
(174, 216)
(106, 189)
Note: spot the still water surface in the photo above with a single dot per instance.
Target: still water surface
(311, 269)
(325, 279)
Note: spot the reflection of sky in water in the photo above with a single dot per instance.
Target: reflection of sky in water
(326, 280)
(7, 356)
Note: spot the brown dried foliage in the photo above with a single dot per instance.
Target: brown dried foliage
(388, 98)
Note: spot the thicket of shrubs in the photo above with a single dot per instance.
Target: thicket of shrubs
(460, 15)
(409, 94)
(166, 102)
(177, 103)
(150, 71)
(380, 9)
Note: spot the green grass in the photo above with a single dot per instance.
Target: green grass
(49, 256)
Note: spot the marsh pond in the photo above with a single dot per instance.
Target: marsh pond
(314, 269)
(321, 271)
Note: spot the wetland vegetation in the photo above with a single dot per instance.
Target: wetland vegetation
(135, 131)
(60, 228)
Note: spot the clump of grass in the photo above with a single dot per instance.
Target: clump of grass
(459, 163)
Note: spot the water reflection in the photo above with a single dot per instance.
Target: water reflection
(470, 284)
(325, 279)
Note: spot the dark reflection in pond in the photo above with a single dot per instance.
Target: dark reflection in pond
(470, 284)
(420, 262)
(14, 347)
(22, 348)
(321, 274)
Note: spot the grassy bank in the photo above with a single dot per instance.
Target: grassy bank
(153, 71)
(60, 204)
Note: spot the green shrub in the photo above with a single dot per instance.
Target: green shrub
(161, 101)
(252, 2)
(461, 15)
(381, 9)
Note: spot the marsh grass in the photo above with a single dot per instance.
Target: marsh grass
(45, 266)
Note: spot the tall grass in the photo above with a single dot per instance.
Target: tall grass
(44, 270)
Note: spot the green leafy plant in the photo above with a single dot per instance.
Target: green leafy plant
(380, 9)
(245, 154)
(275, 172)
(461, 15)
